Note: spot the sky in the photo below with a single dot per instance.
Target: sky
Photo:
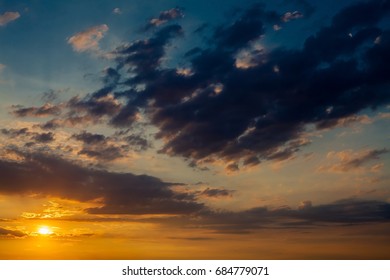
(194, 130)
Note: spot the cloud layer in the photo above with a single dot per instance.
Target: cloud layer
(120, 193)
(126, 193)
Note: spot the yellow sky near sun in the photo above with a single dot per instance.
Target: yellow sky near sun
(131, 240)
(59, 229)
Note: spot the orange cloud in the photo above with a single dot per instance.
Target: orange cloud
(88, 40)
(345, 161)
(11, 233)
(7, 17)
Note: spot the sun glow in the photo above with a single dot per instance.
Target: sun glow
(44, 230)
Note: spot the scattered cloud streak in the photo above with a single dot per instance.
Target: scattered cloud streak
(347, 161)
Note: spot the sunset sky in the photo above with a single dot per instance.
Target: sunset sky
(189, 129)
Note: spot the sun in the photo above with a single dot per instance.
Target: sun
(44, 230)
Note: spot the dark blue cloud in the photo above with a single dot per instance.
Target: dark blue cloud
(43, 111)
(43, 137)
(258, 111)
(121, 193)
(24, 133)
(346, 212)
(261, 113)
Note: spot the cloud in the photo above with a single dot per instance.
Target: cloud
(103, 148)
(43, 111)
(307, 204)
(25, 133)
(69, 121)
(249, 26)
(138, 142)
(126, 193)
(346, 161)
(95, 106)
(11, 233)
(232, 167)
(102, 153)
(256, 115)
(15, 132)
(91, 109)
(88, 40)
(120, 193)
(307, 7)
(117, 11)
(216, 193)
(97, 146)
(240, 104)
(43, 137)
(251, 57)
(164, 17)
(89, 138)
(7, 17)
(291, 16)
(52, 95)
(344, 122)
(51, 125)
(344, 212)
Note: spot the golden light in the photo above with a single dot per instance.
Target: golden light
(44, 230)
